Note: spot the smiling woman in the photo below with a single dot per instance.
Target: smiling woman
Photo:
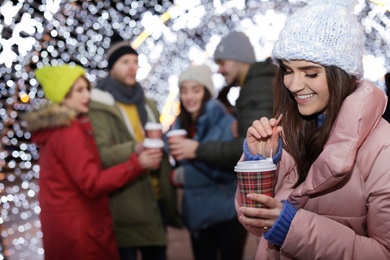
(208, 209)
(333, 145)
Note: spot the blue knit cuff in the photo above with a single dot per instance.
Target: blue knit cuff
(279, 230)
(250, 157)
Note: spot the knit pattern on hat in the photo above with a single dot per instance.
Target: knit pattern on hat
(56, 81)
(235, 46)
(324, 32)
(199, 73)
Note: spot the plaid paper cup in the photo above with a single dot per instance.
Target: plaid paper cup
(255, 177)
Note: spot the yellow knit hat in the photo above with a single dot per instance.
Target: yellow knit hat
(56, 81)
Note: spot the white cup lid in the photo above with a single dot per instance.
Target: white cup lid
(255, 166)
(153, 143)
(153, 126)
(175, 132)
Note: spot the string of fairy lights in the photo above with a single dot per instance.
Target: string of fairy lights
(168, 35)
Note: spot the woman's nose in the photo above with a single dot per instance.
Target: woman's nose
(294, 83)
(87, 95)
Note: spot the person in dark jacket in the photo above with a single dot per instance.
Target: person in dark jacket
(75, 217)
(208, 209)
(237, 63)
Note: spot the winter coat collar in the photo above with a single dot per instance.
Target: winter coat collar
(49, 117)
(101, 96)
(359, 115)
(46, 120)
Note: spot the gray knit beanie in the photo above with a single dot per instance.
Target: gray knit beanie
(199, 73)
(235, 46)
(324, 32)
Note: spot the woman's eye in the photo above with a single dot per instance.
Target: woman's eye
(312, 76)
(286, 71)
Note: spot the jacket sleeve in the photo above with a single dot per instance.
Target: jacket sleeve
(84, 168)
(255, 101)
(312, 236)
(111, 152)
(221, 153)
(213, 173)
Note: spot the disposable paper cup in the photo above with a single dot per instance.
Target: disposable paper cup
(177, 133)
(150, 143)
(153, 143)
(153, 130)
(255, 177)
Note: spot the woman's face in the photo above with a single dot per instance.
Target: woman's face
(307, 83)
(78, 97)
(191, 96)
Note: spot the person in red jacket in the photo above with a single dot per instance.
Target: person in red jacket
(75, 217)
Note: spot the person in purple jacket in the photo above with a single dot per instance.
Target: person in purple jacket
(332, 196)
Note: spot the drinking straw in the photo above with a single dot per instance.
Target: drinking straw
(273, 134)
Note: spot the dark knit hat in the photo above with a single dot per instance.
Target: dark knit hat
(118, 48)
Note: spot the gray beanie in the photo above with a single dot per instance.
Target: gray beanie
(325, 32)
(199, 73)
(235, 46)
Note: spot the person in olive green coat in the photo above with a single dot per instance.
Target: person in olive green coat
(119, 111)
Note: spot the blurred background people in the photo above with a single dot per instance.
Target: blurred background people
(223, 96)
(236, 59)
(75, 217)
(208, 202)
(119, 111)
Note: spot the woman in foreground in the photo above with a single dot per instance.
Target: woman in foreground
(332, 197)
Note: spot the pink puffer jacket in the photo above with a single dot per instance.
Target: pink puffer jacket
(344, 203)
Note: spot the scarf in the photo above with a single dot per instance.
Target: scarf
(126, 95)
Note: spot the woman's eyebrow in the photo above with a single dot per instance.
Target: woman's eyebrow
(309, 67)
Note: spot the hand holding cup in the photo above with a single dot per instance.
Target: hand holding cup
(151, 157)
(176, 142)
(255, 177)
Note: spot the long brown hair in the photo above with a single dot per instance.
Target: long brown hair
(304, 141)
(185, 120)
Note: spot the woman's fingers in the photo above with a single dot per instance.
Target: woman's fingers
(255, 216)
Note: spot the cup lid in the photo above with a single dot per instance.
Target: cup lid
(153, 126)
(174, 132)
(153, 143)
(257, 165)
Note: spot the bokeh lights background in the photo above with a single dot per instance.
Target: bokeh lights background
(169, 35)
